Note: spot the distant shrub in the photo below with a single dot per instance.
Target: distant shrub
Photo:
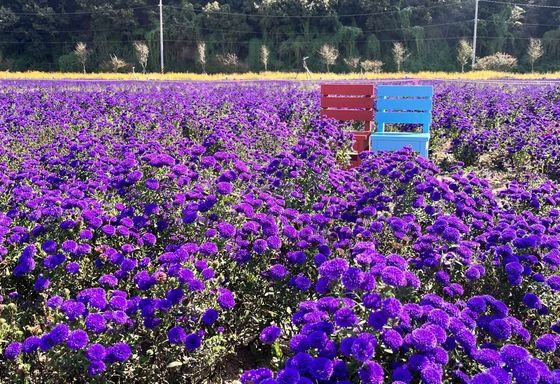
(68, 63)
(499, 61)
(374, 66)
(229, 62)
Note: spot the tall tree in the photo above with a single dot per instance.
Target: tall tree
(400, 54)
(534, 51)
(82, 54)
(464, 53)
(142, 53)
(329, 54)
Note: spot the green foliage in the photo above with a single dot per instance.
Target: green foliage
(68, 63)
(253, 58)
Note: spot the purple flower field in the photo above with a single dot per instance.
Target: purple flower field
(210, 232)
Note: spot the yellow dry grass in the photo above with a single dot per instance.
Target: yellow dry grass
(476, 75)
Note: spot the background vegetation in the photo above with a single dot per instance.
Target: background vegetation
(42, 34)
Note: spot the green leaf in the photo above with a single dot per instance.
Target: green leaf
(277, 350)
(174, 364)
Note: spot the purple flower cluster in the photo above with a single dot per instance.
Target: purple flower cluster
(171, 223)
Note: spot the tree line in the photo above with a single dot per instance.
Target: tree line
(288, 35)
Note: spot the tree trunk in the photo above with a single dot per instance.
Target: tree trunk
(84, 67)
(532, 67)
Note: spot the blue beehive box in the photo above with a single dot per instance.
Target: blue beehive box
(403, 104)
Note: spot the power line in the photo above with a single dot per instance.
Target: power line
(106, 42)
(80, 12)
(64, 42)
(307, 42)
(521, 4)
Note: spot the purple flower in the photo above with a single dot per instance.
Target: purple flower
(277, 272)
(393, 276)
(120, 352)
(73, 309)
(532, 301)
(288, 376)
(554, 282)
(371, 372)
(54, 301)
(423, 340)
(378, 319)
(96, 352)
(499, 329)
(26, 263)
(59, 333)
(192, 342)
(546, 343)
(270, 334)
(149, 239)
(526, 373)
(224, 188)
(333, 269)
(513, 355)
(152, 184)
(31, 344)
(73, 268)
(226, 230)
(392, 339)
(528, 241)
(96, 368)
(317, 339)
(209, 248)
(401, 375)
(345, 317)
(208, 274)
(177, 335)
(96, 322)
(41, 284)
(260, 246)
(301, 282)
(108, 230)
(209, 317)
(352, 278)
(226, 300)
(477, 304)
(363, 347)
(256, 376)
(49, 246)
(13, 350)
(144, 280)
(77, 339)
(483, 378)
(274, 242)
(500, 374)
(321, 368)
(70, 246)
(53, 261)
(108, 280)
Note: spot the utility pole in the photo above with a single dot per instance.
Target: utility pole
(474, 33)
(161, 33)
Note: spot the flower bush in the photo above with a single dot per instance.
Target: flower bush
(159, 232)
